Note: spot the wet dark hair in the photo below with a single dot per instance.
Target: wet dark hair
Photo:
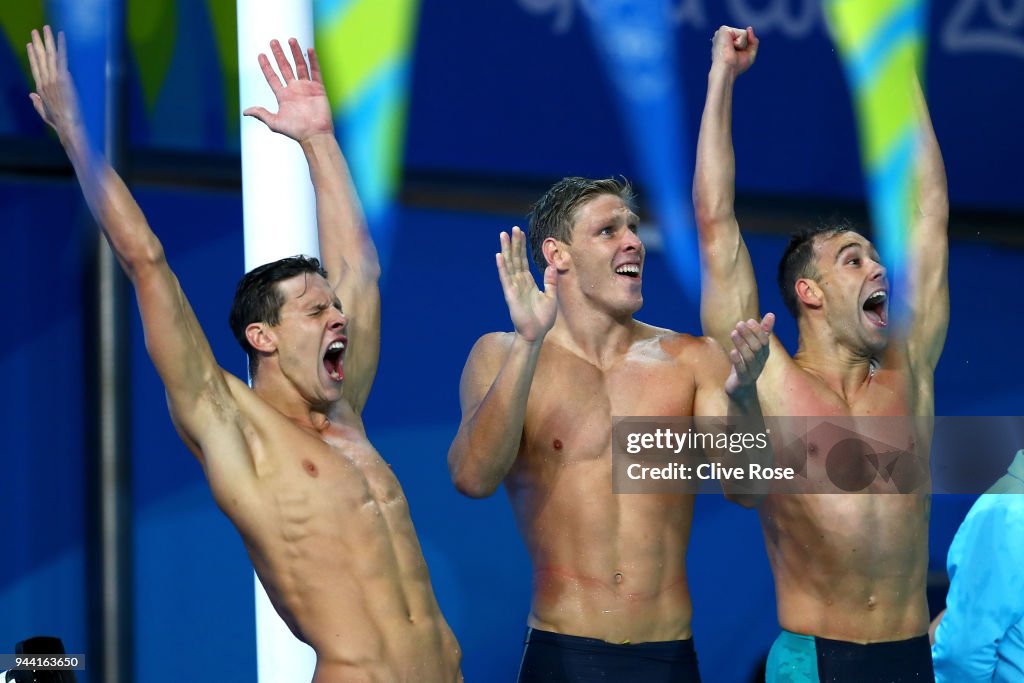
(258, 298)
(798, 259)
(554, 213)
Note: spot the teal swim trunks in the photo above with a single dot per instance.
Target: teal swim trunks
(796, 658)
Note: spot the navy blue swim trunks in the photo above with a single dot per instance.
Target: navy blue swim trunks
(557, 658)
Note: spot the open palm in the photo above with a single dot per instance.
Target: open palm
(302, 106)
(533, 312)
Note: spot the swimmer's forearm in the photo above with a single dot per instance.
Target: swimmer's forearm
(745, 408)
(488, 441)
(174, 340)
(729, 292)
(345, 241)
(714, 178)
(929, 263)
(932, 188)
(112, 205)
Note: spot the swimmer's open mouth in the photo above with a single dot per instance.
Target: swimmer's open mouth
(333, 360)
(875, 308)
(629, 270)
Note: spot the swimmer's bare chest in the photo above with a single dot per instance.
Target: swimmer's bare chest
(572, 402)
(561, 483)
(605, 566)
(324, 508)
(864, 553)
(336, 486)
(875, 440)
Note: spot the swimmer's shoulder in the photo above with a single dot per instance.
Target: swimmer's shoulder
(679, 345)
(486, 357)
(492, 342)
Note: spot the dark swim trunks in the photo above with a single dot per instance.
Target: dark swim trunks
(557, 658)
(796, 658)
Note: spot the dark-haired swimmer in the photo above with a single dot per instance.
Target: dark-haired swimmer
(610, 596)
(849, 569)
(323, 518)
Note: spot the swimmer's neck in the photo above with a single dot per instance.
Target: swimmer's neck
(841, 369)
(284, 397)
(592, 334)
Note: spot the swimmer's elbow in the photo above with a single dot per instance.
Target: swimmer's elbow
(467, 481)
(472, 487)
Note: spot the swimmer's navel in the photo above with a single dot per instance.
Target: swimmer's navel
(310, 468)
(618, 577)
(557, 444)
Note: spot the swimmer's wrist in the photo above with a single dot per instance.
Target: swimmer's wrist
(310, 141)
(744, 396)
(721, 70)
(528, 343)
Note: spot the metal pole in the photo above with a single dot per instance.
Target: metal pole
(114, 425)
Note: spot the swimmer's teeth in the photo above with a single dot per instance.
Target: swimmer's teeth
(337, 346)
(876, 299)
(628, 269)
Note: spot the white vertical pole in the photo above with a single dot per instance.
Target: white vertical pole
(279, 213)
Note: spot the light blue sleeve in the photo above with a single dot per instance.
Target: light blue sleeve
(986, 592)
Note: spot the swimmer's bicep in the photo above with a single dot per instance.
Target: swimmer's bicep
(360, 298)
(729, 291)
(481, 369)
(929, 249)
(179, 349)
(710, 370)
(226, 440)
(929, 298)
(209, 421)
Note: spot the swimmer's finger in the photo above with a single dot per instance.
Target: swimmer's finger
(283, 65)
(743, 347)
(519, 250)
(506, 250)
(301, 70)
(738, 365)
(503, 275)
(767, 325)
(746, 338)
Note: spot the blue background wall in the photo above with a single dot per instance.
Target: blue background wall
(510, 96)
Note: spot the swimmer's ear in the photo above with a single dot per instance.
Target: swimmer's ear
(261, 337)
(808, 292)
(556, 254)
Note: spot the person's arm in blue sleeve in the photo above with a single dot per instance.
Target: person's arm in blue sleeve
(986, 593)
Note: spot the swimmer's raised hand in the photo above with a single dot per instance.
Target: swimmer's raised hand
(751, 341)
(734, 48)
(54, 99)
(533, 312)
(302, 106)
